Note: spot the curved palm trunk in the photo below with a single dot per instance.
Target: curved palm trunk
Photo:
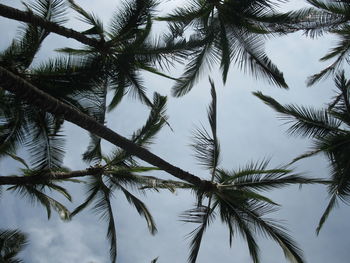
(34, 96)
(28, 17)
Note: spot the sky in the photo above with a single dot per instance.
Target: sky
(248, 130)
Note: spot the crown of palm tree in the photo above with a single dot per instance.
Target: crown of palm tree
(237, 197)
(229, 31)
(329, 130)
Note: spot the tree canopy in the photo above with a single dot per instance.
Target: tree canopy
(86, 84)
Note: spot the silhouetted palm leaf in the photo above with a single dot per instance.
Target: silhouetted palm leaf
(230, 31)
(11, 243)
(329, 131)
(35, 193)
(237, 197)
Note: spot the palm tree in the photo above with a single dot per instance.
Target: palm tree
(11, 243)
(116, 172)
(237, 197)
(76, 84)
(329, 130)
(54, 92)
(38, 130)
(69, 88)
(83, 79)
(229, 31)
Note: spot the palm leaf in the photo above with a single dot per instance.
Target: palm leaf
(206, 146)
(307, 122)
(29, 41)
(155, 121)
(11, 243)
(141, 209)
(332, 203)
(46, 148)
(199, 58)
(16, 158)
(92, 192)
(52, 10)
(225, 50)
(235, 222)
(131, 16)
(103, 207)
(253, 212)
(36, 194)
(251, 178)
(202, 215)
(97, 25)
(249, 53)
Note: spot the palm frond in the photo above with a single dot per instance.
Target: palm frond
(250, 56)
(94, 151)
(63, 191)
(35, 193)
(13, 124)
(253, 211)
(137, 89)
(202, 215)
(306, 122)
(183, 17)
(237, 223)
(131, 16)
(225, 50)
(91, 19)
(141, 209)
(340, 106)
(291, 251)
(206, 146)
(204, 55)
(11, 243)
(341, 52)
(256, 176)
(336, 7)
(306, 155)
(28, 43)
(52, 10)
(46, 148)
(92, 192)
(155, 121)
(332, 204)
(16, 158)
(103, 208)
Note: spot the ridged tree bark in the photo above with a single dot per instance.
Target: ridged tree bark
(34, 96)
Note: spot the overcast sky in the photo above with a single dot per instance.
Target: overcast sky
(248, 131)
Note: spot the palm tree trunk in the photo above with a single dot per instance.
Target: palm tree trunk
(28, 17)
(51, 176)
(34, 96)
(47, 177)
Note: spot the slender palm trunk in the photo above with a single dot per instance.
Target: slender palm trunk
(52, 176)
(34, 96)
(28, 17)
(49, 176)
